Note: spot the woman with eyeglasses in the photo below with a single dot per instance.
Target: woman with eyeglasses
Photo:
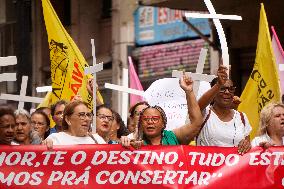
(153, 121)
(223, 126)
(76, 125)
(40, 123)
(104, 120)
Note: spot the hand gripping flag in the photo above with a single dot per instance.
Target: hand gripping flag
(67, 62)
(263, 84)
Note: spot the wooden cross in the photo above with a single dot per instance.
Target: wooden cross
(44, 89)
(22, 98)
(198, 76)
(92, 70)
(220, 30)
(8, 61)
(124, 88)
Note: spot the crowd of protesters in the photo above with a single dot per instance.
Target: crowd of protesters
(213, 122)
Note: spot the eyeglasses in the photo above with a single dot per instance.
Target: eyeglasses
(33, 123)
(105, 117)
(231, 89)
(153, 119)
(84, 115)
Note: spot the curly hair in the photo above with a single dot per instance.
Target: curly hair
(6, 110)
(23, 112)
(164, 118)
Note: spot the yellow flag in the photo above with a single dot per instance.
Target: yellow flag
(263, 85)
(67, 62)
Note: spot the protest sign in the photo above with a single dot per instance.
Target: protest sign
(112, 166)
(168, 94)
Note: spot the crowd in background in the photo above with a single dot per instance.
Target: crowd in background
(214, 121)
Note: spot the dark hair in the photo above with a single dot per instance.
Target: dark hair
(132, 109)
(46, 134)
(103, 106)
(164, 118)
(69, 110)
(6, 110)
(214, 81)
(122, 131)
(58, 103)
(42, 108)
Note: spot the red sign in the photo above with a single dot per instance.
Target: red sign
(111, 166)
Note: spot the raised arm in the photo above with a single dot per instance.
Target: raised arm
(187, 132)
(208, 97)
(90, 90)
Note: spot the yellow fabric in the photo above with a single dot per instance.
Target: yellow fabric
(263, 85)
(67, 62)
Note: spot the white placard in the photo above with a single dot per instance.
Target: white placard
(167, 94)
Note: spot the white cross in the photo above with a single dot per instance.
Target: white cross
(198, 76)
(22, 98)
(92, 70)
(44, 89)
(220, 30)
(125, 91)
(125, 96)
(8, 61)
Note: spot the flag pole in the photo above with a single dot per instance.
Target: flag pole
(94, 87)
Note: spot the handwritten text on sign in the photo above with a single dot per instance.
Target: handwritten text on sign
(111, 166)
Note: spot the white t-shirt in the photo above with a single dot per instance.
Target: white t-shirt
(14, 143)
(63, 138)
(216, 132)
(262, 138)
